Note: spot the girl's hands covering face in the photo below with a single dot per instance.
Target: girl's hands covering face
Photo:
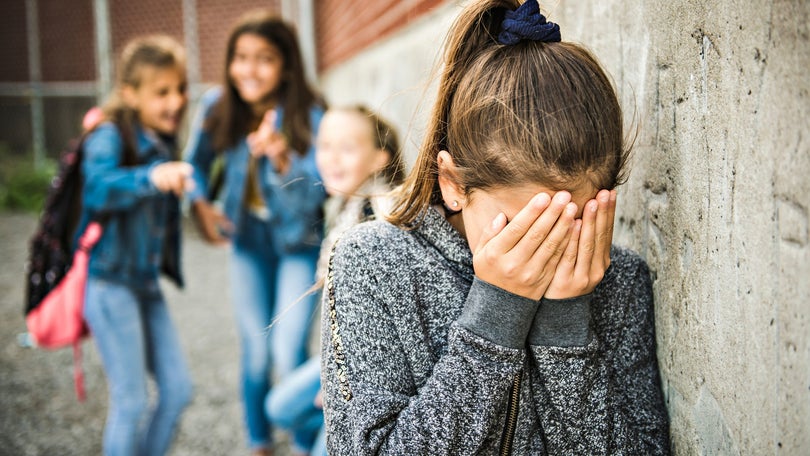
(587, 255)
(522, 256)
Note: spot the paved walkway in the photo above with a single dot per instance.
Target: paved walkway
(39, 414)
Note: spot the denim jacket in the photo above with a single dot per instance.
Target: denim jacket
(142, 225)
(294, 200)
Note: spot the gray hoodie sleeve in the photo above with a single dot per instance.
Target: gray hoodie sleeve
(599, 392)
(372, 405)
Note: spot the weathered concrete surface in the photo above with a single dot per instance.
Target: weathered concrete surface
(717, 201)
(396, 77)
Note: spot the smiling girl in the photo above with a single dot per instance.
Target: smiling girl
(132, 181)
(262, 123)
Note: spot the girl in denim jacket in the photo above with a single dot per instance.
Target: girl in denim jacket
(261, 123)
(132, 183)
(490, 315)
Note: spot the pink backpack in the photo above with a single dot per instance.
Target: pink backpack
(58, 319)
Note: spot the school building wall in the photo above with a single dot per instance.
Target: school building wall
(59, 57)
(717, 201)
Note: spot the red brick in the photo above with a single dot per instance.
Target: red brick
(130, 19)
(215, 20)
(344, 27)
(14, 48)
(67, 40)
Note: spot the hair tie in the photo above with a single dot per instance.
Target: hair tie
(527, 23)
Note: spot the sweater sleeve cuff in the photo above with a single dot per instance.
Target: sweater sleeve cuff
(562, 322)
(497, 315)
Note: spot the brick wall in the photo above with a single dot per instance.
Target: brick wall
(215, 19)
(67, 54)
(129, 19)
(344, 27)
(14, 48)
(66, 40)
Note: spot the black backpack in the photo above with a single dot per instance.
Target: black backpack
(51, 247)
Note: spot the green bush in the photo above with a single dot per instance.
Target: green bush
(23, 187)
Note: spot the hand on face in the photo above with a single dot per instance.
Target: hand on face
(521, 256)
(587, 255)
(544, 252)
(269, 142)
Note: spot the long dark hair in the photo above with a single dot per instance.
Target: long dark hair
(532, 112)
(232, 118)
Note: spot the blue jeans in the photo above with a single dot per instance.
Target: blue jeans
(268, 289)
(291, 406)
(135, 336)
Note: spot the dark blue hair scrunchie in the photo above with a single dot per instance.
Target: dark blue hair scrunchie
(527, 23)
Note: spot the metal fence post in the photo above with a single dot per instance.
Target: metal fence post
(35, 78)
(101, 16)
(302, 14)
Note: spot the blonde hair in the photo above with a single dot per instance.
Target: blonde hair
(384, 136)
(154, 51)
(532, 112)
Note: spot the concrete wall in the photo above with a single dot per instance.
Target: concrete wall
(717, 201)
(395, 76)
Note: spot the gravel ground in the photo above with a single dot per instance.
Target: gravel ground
(39, 414)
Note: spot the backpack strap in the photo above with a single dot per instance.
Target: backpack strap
(78, 371)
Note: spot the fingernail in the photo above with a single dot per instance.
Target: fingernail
(604, 197)
(497, 221)
(571, 209)
(592, 206)
(541, 199)
(562, 197)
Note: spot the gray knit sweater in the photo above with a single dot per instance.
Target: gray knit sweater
(422, 358)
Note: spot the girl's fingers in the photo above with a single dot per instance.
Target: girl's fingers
(539, 230)
(587, 241)
(270, 118)
(568, 261)
(554, 261)
(554, 244)
(224, 223)
(268, 125)
(491, 231)
(516, 229)
(602, 235)
(256, 144)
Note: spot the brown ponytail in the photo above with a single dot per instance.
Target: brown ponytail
(531, 112)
